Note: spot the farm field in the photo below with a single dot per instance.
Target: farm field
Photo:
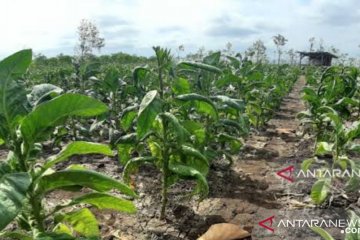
(167, 151)
(179, 120)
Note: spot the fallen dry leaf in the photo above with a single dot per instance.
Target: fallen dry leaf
(224, 231)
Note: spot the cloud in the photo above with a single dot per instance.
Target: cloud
(171, 29)
(230, 32)
(339, 14)
(137, 25)
(109, 21)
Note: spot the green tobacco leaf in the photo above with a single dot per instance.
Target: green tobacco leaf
(192, 152)
(106, 201)
(230, 102)
(125, 150)
(353, 183)
(306, 164)
(79, 148)
(13, 190)
(353, 148)
(16, 235)
(133, 164)
(57, 236)
(202, 187)
(53, 112)
(353, 132)
(83, 222)
(354, 225)
(324, 234)
(111, 82)
(323, 148)
(128, 116)
(61, 228)
(85, 178)
(139, 74)
(42, 92)
(180, 86)
(320, 190)
(201, 66)
(13, 96)
(150, 107)
(202, 104)
(212, 59)
(180, 132)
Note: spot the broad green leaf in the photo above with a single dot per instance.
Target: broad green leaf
(180, 132)
(85, 178)
(62, 229)
(354, 182)
(230, 102)
(201, 66)
(16, 235)
(180, 86)
(1, 141)
(306, 164)
(125, 150)
(13, 190)
(183, 171)
(79, 148)
(196, 129)
(53, 112)
(192, 152)
(155, 149)
(13, 104)
(320, 190)
(133, 164)
(56, 236)
(106, 201)
(4, 168)
(324, 234)
(354, 131)
(354, 224)
(202, 104)
(128, 116)
(323, 148)
(43, 92)
(139, 74)
(212, 59)
(83, 222)
(150, 107)
(111, 81)
(353, 147)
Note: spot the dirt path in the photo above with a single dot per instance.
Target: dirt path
(247, 193)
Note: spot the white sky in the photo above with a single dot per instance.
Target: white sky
(134, 26)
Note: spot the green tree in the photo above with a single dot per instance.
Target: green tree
(279, 41)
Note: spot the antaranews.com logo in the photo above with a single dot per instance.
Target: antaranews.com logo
(347, 226)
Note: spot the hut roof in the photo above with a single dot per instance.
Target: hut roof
(317, 54)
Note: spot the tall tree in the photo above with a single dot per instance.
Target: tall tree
(312, 43)
(89, 39)
(279, 41)
(259, 51)
(292, 56)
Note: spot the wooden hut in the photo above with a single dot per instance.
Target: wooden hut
(318, 58)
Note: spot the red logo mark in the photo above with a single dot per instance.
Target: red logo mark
(268, 227)
(288, 176)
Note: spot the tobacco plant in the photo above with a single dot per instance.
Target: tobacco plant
(26, 179)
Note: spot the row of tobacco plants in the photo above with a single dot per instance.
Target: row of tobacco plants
(179, 116)
(333, 101)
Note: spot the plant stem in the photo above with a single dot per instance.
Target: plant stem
(165, 169)
(36, 208)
